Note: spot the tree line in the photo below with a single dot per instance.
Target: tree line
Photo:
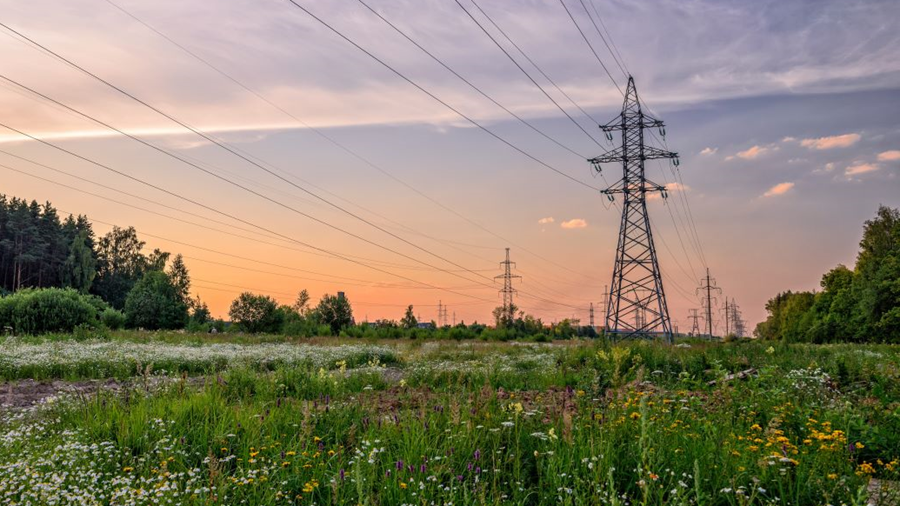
(58, 276)
(861, 304)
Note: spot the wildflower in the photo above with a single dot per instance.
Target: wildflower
(552, 433)
(756, 427)
(403, 485)
(634, 415)
(865, 469)
(285, 464)
(128, 469)
(770, 350)
(832, 476)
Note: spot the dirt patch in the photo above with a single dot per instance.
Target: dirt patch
(26, 393)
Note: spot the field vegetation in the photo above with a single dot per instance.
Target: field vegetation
(413, 422)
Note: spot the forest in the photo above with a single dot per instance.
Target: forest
(861, 304)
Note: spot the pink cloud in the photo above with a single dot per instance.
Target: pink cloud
(574, 223)
(860, 168)
(709, 151)
(889, 156)
(834, 141)
(544, 221)
(752, 152)
(779, 189)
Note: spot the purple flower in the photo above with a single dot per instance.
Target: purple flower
(459, 477)
(422, 468)
(399, 465)
(477, 454)
(469, 466)
(477, 470)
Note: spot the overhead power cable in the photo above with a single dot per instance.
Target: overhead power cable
(591, 46)
(248, 160)
(342, 146)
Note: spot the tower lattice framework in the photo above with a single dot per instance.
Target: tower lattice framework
(637, 303)
(509, 308)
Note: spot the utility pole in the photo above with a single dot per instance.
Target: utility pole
(636, 267)
(709, 285)
(508, 291)
(695, 322)
(604, 305)
(454, 318)
(592, 315)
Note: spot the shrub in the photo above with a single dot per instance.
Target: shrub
(155, 303)
(112, 319)
(256, 313)
(46, 310)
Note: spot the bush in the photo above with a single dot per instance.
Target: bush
(154, 303)
(112, 319)
(256, 313)
(47, 310)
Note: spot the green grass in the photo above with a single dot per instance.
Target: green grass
(476, 423)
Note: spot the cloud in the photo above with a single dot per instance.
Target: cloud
(544, 221)
(834, 141)
(709, 151)
(860, 168)
(889, 156)
(753, 152)
(671, 188)
(574, 223)
(789, 139)
(778, 189)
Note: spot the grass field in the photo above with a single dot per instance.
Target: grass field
(273, 421)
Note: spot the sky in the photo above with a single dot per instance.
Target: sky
(331, 172)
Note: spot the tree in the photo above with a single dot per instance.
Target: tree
(120, 264)
(181, 279)
(256, 313)
(877, 281)
(80, 267)
(334, 311)
(501, 316)
(154, 303)
(409, 320)
(301, 305)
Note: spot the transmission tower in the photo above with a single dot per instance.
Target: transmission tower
(592, 315)
(708, 285)
(508, 291)
(637, 292)
(442, 314)
(695, 322)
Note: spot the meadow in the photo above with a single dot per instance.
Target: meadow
(270, 420)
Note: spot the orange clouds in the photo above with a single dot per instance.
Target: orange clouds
(889, 156)
(778, 189)
(574, 223)
(544, 221)
(834, 141)
(752, 152)
(860, 168)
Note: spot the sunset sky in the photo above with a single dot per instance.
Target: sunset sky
(785, 114)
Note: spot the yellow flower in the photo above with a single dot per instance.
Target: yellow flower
(635, 415)
(860, 445)
(865, 469)
(291, 453)
(403, 485)
(128, 469)
(832, 476)
(285, 464)
(736, 453)
(316, 439)
(755, 426)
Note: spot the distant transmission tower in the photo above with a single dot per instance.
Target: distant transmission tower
(442, 314)
(637, 292)
(592, 315)
(708, 285)
(695, 322)
(508, 291)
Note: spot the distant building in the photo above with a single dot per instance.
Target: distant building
(425, 325)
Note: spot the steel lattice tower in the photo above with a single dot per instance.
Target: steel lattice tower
(637, 303)
(508, 291)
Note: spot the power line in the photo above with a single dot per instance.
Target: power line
(463, 79)
(549, 97)
(591, 46)
(236, 153)
(335, 141)
(439, 100)
(533, 64)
